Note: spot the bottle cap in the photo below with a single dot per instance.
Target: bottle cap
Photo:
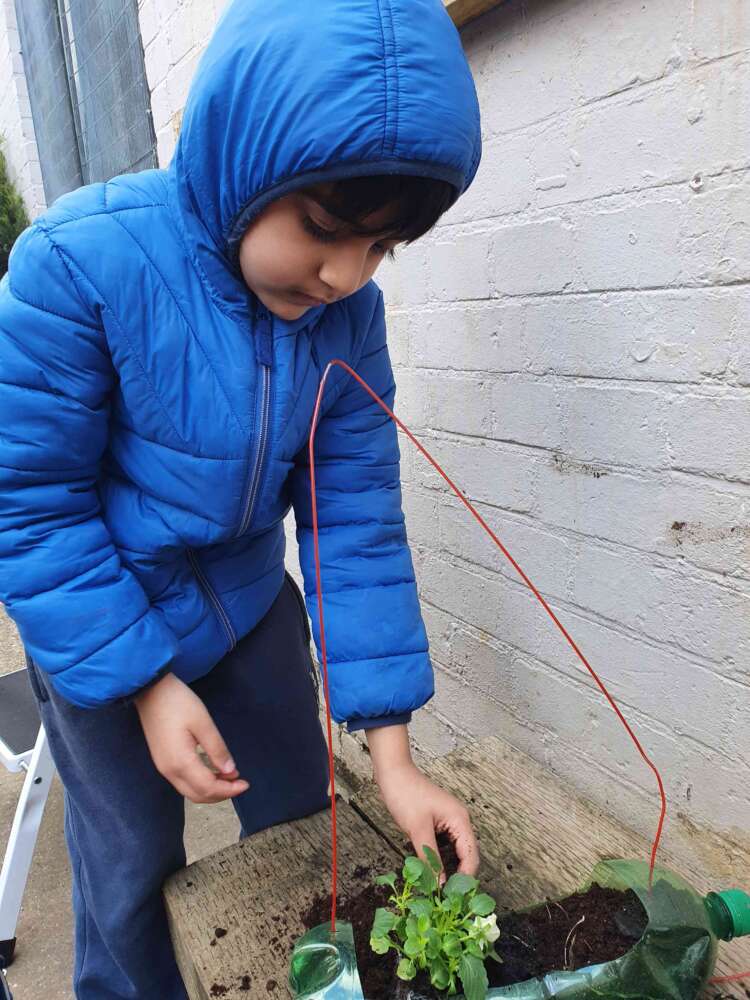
(738, 903)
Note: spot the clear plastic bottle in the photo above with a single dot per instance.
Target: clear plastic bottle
(673, 959)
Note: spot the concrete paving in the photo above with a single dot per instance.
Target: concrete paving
(43, 966)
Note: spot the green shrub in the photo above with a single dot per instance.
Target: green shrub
(13, 218)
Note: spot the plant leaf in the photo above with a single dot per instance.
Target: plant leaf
(432, 859)
(459, 884)
(380, 945)
(494, 956)
(439, 975)
(482, 905)
(423, 924)
(388, 879)
(428, 882)
(420, 907)
(473, 977)
(413, 946)
(434, 944)
(406, 969)
(473, 948)
(384, 921)
(413, 869)
(452, 945)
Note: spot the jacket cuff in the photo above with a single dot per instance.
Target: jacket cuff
(129, 699)
(357, 725)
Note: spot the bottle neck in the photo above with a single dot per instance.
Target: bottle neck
(728, 913)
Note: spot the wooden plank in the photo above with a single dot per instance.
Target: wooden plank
(538, 838)
(463, 11)
(256, 890)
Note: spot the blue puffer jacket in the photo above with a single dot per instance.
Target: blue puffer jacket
(154, 419)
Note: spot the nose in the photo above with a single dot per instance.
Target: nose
(343, 269)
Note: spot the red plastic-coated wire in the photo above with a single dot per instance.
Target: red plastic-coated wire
(527, 581)
(323, 652)
(730, 979)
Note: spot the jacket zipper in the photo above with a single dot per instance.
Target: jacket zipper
(211, 595)
(264, 354)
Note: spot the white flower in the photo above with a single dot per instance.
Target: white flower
(485, 929)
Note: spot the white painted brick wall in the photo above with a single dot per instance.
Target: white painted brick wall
(16, 126)
(595, 285)
(572, 342)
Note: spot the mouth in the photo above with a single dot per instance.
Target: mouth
(306, 300)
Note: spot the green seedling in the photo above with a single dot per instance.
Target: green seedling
(448, 932)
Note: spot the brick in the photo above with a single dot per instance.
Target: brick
(178, 81)
(683, 129)
(643, 42)
(413, 402)
(519, 61)
(710, 432)
(720, 29)
(674, 336)
(670, 687)
(738, 324)
(421, 513)
(498, 189)
(532, 258)
(399, 330)
(663, 602)
(526, 411)
(542, 554)
(482, 471)
(633, 247)
(180, 35)
(460, 403)
(506, 611)
(203, 20)
(404, 280)
(716, 232)
(481, 336)
(157, 60)
(150, 23)
(459, 267)
(431, 734)
(615, 425)
(165, 144)
(161, 106)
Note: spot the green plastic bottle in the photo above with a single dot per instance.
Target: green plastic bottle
(673, 959)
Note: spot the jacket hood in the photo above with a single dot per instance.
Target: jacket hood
(294, 92)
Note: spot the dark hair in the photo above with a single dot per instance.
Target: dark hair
(416, 202)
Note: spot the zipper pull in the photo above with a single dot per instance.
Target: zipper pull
(264, 337)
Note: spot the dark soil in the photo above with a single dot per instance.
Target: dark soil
(551, 937)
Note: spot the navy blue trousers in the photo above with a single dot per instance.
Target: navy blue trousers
(124, 822)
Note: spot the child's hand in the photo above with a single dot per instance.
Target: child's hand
(419, 807)
(174, 722)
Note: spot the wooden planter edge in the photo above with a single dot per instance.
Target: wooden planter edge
(463, 11)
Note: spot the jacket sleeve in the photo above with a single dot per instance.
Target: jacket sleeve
(379, 668)
(83, 618)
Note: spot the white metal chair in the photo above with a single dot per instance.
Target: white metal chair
(23, 747)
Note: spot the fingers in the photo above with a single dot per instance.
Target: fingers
(196, 782)
(465, 843)
(200, 781)
(210, 739)
(425, 837)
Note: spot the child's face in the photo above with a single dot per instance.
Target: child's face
(296, 255)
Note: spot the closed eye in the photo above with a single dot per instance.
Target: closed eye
(317, 232)
(331, 235)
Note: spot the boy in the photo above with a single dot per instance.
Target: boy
(162, 338)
